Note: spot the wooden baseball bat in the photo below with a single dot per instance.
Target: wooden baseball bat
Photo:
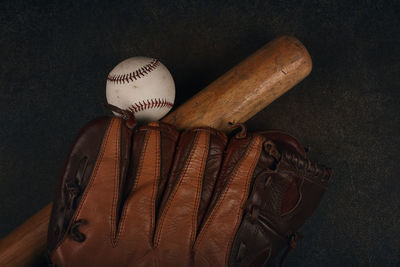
(233, 98)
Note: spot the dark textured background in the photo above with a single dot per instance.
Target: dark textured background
(55, 56)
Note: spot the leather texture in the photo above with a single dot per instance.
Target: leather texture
(151, 196)
(74, 178)
(283, 196)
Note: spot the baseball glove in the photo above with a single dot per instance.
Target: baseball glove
(151, 196)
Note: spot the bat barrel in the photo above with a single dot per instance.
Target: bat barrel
(247, 88)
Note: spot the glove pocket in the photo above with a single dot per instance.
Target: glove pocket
(283, 196)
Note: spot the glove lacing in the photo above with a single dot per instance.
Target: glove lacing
(127, 115)
(73, 191)
(74, 232)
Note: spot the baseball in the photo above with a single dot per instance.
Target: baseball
(142, 85)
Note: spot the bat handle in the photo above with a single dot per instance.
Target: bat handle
(25, 246)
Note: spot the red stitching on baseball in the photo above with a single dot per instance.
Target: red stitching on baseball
(137, 74)
(150, 103)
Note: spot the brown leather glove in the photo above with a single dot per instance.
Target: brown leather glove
(153, 197)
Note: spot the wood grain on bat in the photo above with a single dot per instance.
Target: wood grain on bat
(247, 88)
(235, 97)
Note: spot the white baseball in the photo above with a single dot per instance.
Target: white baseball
(142, 85)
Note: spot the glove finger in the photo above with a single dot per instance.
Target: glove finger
(167, 142)
(214, 240)
(75, 177)
(100, 197)
(176, 229)
(214, 159)
(215, 155)
(139, 209)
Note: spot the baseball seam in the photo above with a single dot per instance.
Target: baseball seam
(134, 75)
(149, 104)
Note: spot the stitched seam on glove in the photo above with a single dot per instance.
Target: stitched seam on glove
(113, 211)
